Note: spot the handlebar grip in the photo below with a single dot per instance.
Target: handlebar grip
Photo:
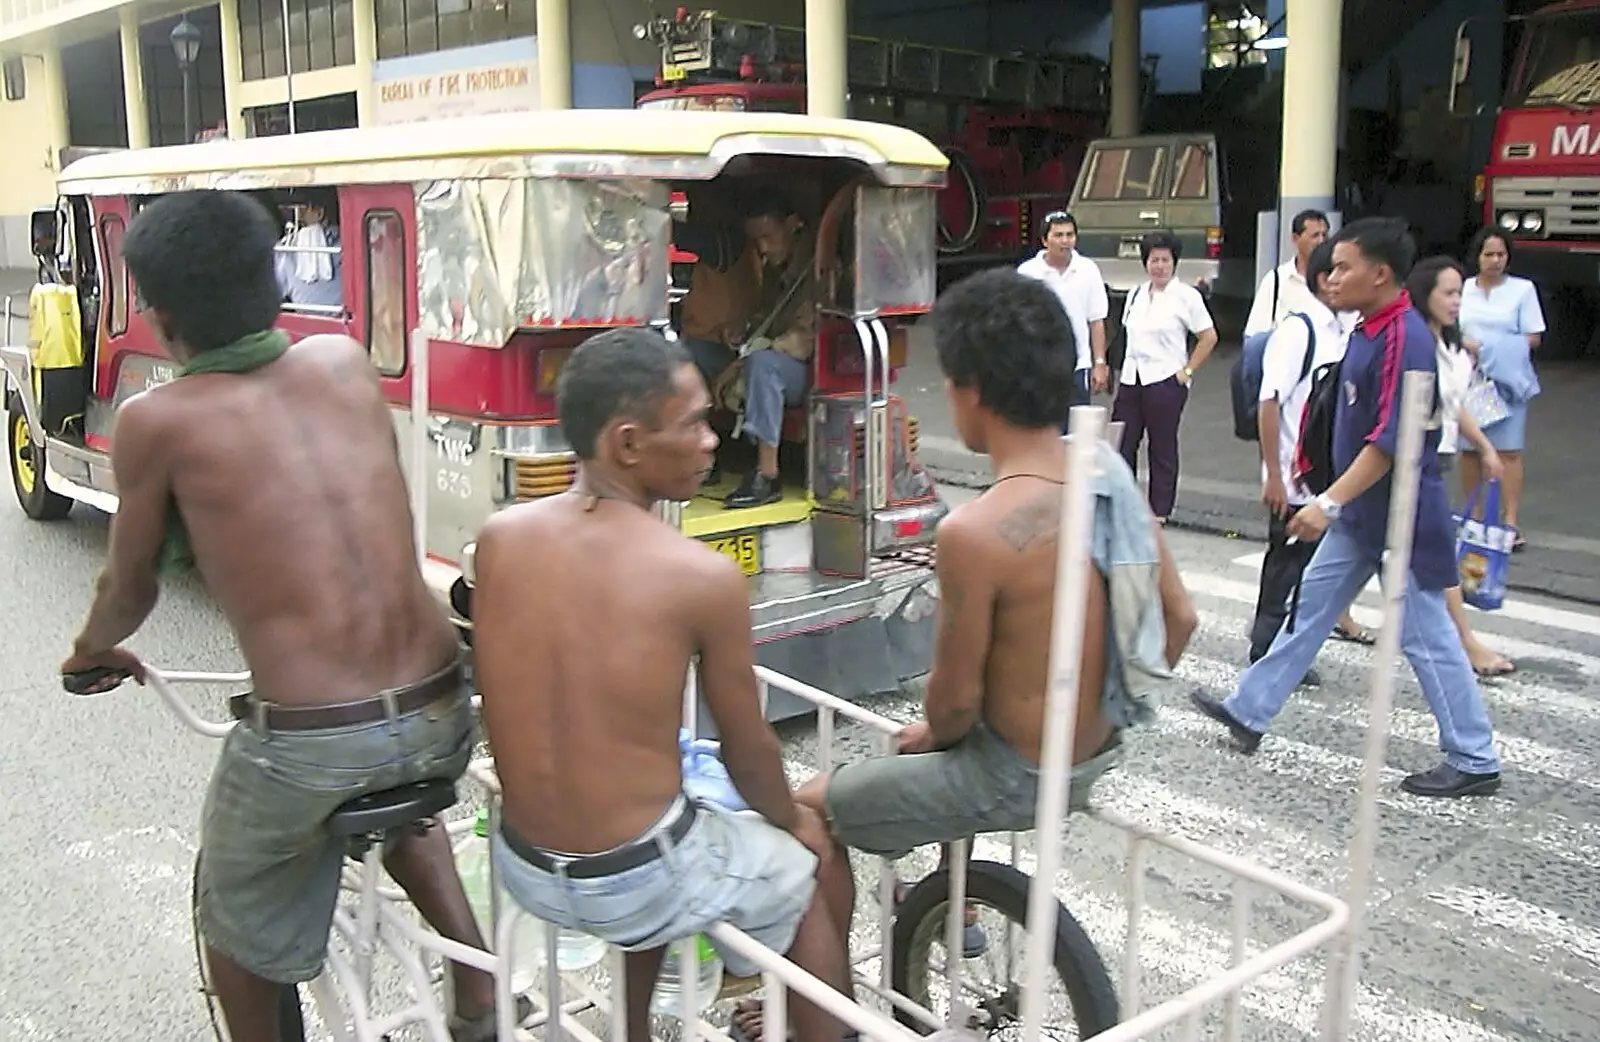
(94, 681)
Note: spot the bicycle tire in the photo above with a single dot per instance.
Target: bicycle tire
(1077, 960)
(291, 1017)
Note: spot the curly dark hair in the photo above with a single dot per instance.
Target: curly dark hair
(1008, 336)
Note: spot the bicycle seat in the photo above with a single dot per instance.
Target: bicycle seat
(391, 808)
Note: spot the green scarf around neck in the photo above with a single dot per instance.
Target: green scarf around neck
(245, 355)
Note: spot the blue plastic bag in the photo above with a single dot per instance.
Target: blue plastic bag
(704, 776)
(1483, 550)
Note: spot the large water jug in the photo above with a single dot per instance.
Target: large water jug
(667, 998)
(472, 862)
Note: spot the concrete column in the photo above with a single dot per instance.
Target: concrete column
(1311, 83)
(232, 67)
(55, 93)
(827, 41)
(135, 109)
(364, 23)
(554, 29)
(1125, 68)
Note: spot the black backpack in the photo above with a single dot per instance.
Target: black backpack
(1314, 455)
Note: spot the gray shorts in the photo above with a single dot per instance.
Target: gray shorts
(269, 868)
(728, 867)
(891, 805)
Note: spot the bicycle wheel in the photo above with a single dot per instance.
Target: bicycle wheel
(291, 1019)
(919, 929)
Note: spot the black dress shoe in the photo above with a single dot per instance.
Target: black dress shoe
(1311, 679)
(756, 490)
(1449, 782)
(1247, 739)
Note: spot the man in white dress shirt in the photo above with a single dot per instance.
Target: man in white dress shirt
(1285, 290)
(1078, 284)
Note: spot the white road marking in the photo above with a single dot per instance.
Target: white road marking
(1522, 611)
(1546, 928)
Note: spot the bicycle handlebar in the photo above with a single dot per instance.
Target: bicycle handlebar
(92, 681)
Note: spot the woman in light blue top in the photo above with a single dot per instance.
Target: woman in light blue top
(1502, 323)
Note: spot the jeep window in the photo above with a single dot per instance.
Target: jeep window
(1120, 173)
(1193, 177)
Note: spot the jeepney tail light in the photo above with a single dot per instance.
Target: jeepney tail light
(551, 359)
(899, 346)
(1478, 184)
(1213, 243)
(908, 528)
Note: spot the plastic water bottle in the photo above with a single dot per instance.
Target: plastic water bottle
(578, 951)
(472, 862)
(667, 1000)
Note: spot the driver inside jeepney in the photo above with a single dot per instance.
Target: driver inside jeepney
(749, 323)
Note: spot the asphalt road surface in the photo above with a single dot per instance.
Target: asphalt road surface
(1485, 918)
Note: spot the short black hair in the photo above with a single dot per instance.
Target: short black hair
(1008, 336)
(1160, 240)
(204, 259)
(1382, 240)
(1305, 217)
(1056, 217)
(1420, 284)
(1480, 240)
(767, 201)
(1319, 264)
(619, 372)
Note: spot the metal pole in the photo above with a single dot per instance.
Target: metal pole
(288, 66)
(188, 103)
(1061, 706)
(419, 443)
(1344, 963)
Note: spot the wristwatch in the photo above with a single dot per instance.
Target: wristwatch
(1329, 507)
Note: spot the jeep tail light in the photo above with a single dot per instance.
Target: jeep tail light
(907, 529)
(550, 361)
(1213, 243)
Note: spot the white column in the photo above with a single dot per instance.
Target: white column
(364, 24)
(232, 67)
(1311, 80)
(1125, 68)
(827, 40)
(55, 92)
(135, 109)
(554, 28)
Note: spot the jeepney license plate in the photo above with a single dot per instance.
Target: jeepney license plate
(1128, 250)
(671, 72)
(743, 547)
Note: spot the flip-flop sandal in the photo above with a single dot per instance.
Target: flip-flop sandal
(483, 1028)
(1518, 545)
(1359, 635)
(1503, 668)
(737, 1033)
(974, 942)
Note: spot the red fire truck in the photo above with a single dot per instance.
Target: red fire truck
(1541, 184)
(1014, 127)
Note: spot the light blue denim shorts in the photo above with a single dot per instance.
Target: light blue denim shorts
(728, 867)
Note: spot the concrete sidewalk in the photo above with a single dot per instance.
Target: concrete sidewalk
(1219, 485)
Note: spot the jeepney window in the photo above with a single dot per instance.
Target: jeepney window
(1193, 177)
(896, 232)
(697, 103)
(496, 255)
(308, 259)
(386, 291)
(1125, 173)
(111, 229)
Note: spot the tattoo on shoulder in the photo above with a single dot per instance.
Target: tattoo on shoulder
(1031, 523)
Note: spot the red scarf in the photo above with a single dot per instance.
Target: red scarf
(1385, 323)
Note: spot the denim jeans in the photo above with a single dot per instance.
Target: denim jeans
(1337, 572)
(772, 380)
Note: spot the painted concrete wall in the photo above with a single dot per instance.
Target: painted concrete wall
(34, 127)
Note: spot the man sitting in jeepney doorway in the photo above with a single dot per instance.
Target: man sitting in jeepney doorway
(970, 766)
(625, 855)
(272, 470)
(758, 368)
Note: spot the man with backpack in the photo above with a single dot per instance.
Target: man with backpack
(1355, 452)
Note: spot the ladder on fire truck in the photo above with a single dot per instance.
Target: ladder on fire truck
(703, 43)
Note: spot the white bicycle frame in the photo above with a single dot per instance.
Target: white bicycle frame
(377, 922)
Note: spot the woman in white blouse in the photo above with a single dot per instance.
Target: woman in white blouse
(1159, 317)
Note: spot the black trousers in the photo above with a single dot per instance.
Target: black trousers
(1280, 572)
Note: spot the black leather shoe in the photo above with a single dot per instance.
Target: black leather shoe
(1247, 739)
(756, 490)
(1311, 679)
(1448, 782)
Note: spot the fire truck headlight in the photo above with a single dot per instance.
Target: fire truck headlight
(1532, 221)
(1510, 221)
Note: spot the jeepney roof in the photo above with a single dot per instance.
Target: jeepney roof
(597, 143)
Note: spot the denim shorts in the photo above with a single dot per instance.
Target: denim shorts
(269, 867)
(729, 867)
(891, 805)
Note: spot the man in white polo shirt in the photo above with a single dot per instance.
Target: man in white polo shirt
(1078, 284)
(1284, 290)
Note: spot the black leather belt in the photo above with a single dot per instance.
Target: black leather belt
(611, 862)
(385, 705)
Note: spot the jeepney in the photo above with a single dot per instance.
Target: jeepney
(481, 253)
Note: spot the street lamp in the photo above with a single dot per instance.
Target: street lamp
(186, 45)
